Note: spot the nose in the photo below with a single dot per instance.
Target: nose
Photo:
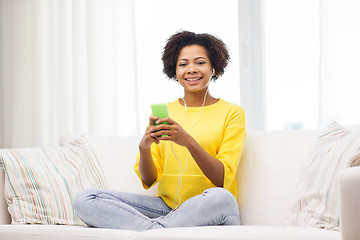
(191, 68)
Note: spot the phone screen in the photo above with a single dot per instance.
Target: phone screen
(160, 110)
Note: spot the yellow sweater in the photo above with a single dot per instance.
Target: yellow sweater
(220, 130)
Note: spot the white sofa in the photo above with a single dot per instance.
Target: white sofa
(267, 178)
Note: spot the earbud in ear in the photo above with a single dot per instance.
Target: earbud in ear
(213, 72)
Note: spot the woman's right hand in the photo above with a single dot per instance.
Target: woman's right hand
(146, 164)
(147, 139)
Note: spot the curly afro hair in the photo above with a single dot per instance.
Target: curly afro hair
(216, 49)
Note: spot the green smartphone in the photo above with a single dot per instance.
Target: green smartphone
(160, 110)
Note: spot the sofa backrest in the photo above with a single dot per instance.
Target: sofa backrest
(268, 173)
(118, 156)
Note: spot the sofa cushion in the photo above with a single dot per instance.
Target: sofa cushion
(42, 232)
(317, 199)
(61, 232)
(40, 183)
(241, 233)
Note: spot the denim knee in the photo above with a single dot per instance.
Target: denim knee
(220, 197)
(219, 194)
(81, 198)
(223, 201)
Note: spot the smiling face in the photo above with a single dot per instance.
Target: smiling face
(193, 69)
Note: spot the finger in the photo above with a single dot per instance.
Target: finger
(151, 129)
(157, 141)
(154, 129)
(166, 120)
(152, 119)
(164, 138)
(160, 127)
(159, 134)
(156, 134)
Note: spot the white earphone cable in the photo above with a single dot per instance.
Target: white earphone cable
(187, 153)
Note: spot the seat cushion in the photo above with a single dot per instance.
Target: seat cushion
(45, 232)
(61, 232)
(241, 233)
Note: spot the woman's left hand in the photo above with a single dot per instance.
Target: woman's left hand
(173, 131)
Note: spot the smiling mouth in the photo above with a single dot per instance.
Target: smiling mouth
(193, 79)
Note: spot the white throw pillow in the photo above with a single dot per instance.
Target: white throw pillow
(40, 183)
(317, 199)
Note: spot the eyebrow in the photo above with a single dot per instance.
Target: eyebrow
(185, 59)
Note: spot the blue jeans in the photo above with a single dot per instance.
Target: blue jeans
(112, 209)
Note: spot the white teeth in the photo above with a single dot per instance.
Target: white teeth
(192, 80)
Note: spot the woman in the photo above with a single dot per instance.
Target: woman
(194, 157)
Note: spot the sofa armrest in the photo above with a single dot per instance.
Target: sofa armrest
(350, 203)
